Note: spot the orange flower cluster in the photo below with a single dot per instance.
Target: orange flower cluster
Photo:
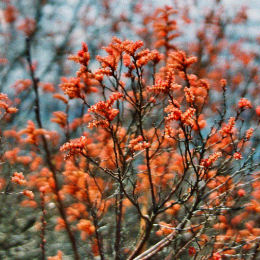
(5, 104)
(43, 181)
(72, 87)
(138, 144)
(60, 224)
(32, 133)
(82, 56)
(115, 51)
(76, 211)
(57, 257)
(212, 158)
(244, 103)
(28, 26)
(22, 85)
(28, 194)
(105, 110)
(249, 133)
(129, 47)
(229, 128)
(13, 157)
(237, 156)
(60, 118)
(18, 178)
(173, 109)
(86, 226)
(186, 117)
(144, 56)
(85, 189)
(47, 87)
(74, 146)
(179, 60)
(165, 229)
(165, 85)
(10, 13)
(176, 114)
(165, 27)
(174, 209)
(189, 95)
(60, 97)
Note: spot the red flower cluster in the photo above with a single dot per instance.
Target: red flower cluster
(229, 128)
(82, 56)
(105, 111)
(5, 104)
(244, 103)
(74, 146)
(138, 144)
(212, 158)
(72, 87)
(18, 178)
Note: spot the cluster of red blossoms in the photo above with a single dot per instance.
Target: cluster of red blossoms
(105, 111)
(138, 144)
(74, 146)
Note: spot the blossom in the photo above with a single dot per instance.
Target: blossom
(189, 95)
(74, 146)
(179, 60)
(186, 117)
(244, 103)
(249, 133)
(104, 109)
(164, 86)
(175, 114)
(10, 13)
(72, 87)
(18, 178)
(32, 132)
(60, 118)
(127, 60)
(82, 56)
(165, 27)
(57, 257)
(5, 104)
(86, 228)
(211, 159)
(97, 123)
(138, 144)
(60, 224)
(22, 85)
(192, 251)
(131, 47)
(60, 97)
(229, 128)
(241, 192)
(237, 156)
(28, 194)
